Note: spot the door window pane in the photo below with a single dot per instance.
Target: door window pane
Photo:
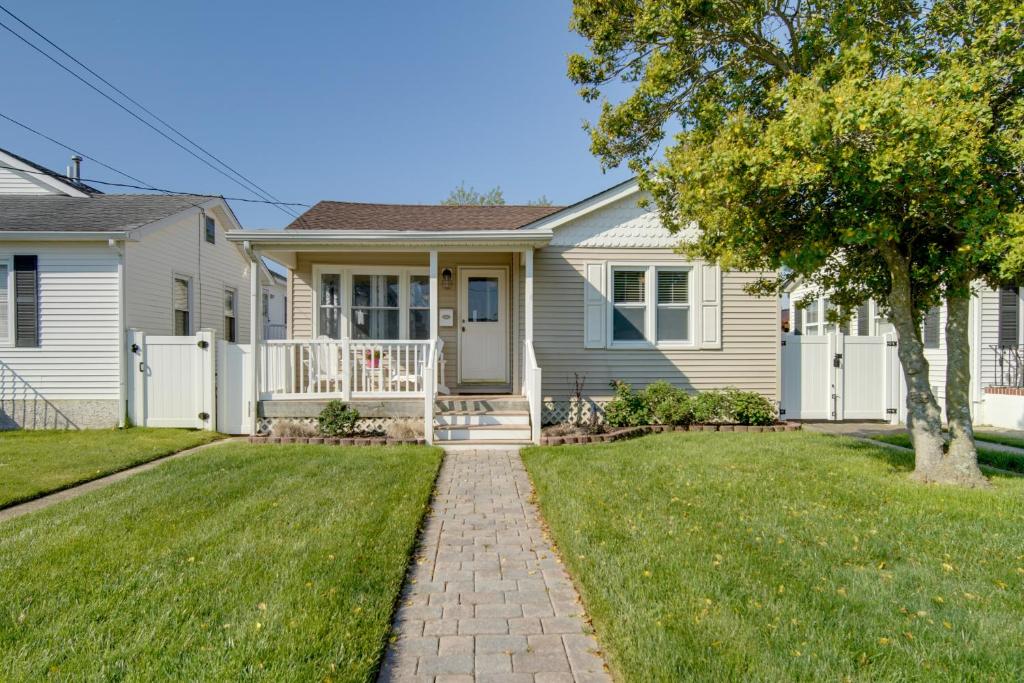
(330, 305)
(482, 300)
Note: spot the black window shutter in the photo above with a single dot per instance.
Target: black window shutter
(931, 329)
(26, 300)
(1009, 316)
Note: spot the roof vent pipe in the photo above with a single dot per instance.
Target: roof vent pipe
(75, 169)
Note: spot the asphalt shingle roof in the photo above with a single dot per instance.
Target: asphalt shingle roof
(328, 215)
(98, 213)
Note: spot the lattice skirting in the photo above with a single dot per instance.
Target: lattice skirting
(556, 412)
(265, 425)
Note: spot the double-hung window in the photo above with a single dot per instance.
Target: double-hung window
(375, 306)
(230, 323)
(181, 303)
(629, 304)
(330, 306)
(419, 307)
(6, 303)
(210, 228)
(650, 305)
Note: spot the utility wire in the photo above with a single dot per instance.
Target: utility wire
(264, 197)
(143, 185)
(138, 104)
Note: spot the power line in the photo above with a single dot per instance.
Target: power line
(138, 104)
(149, 125)
(147, 187)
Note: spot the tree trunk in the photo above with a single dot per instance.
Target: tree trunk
(960, 465)
(924, 420)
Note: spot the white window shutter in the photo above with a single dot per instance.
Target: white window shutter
(594, 306)
(711, 307)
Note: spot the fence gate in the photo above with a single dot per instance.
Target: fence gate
(171, 380)
(234, 388)
(839, 377)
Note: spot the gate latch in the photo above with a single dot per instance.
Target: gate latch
(837, 362)
(203, 344)
(204, 416)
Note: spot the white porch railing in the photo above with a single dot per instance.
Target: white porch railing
(532, 388)
(343, 368)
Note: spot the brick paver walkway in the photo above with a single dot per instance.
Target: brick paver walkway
(487, 599)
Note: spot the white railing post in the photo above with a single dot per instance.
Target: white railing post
(208, 372)
(428, 395)
(346, 370)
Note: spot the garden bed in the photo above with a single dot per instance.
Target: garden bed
(336, 440)
(631, 432)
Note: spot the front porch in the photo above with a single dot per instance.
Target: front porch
(387, 330)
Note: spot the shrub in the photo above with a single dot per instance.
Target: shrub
(337, 419)
(628, 408)
(293, 428)
(711, 407)
(667, 404)
(750, 408)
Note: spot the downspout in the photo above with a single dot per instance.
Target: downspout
(122, 353)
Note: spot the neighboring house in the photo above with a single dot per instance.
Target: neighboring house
(393, 304)
(274, 304)
(997, 339)
(79, 268)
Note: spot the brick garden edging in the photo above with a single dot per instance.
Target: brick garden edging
(336, 441)
(633, 432)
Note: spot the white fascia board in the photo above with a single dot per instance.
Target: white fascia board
(64, 235)
(34, 175)
(393, 239)
(598, 201)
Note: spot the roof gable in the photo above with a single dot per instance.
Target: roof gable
(19, 176)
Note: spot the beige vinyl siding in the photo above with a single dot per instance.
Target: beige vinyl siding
(180, 248)
(748, 358)
(77, 356)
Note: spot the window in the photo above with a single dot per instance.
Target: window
(482, 300)
(330, 305)
(230, 326)
(6, 301)
(813, 322)
(673, 315)
(419, 307)
(211, 230)
(931, 329)
(181, 302)
(629, 305)
(375, 307)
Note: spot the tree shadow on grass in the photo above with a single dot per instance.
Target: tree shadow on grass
(902, 459)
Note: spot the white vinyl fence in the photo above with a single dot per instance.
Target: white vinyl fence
(171, 380)
(840, 377)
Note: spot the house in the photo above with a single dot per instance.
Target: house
(274, 303)
(80, 268)
(497, 312)
(997, 339)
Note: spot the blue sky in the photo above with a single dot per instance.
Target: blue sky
(381, 102)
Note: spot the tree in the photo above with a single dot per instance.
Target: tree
(468, 196)
(852, 145)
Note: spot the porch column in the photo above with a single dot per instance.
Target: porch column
(254, 336)
(528, 295)
(433, 295)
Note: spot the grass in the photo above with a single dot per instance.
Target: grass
(986, 456)
(34, 463)
(243, 562)
(785, 557)
(1000, 438)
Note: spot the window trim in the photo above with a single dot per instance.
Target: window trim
(650, 305)
(346, 272)
(191, 308)
(7, 340)
(234, 313)
(210, 235)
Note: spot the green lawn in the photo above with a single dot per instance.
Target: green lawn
(999, 437)
(277, 563)
(33, 463)
(784, 557)
(986, 456)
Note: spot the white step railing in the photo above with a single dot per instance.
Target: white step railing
(343, 368)
(532, 388)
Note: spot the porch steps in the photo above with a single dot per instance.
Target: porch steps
(482, 420)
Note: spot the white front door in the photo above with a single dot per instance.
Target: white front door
(483, 325)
